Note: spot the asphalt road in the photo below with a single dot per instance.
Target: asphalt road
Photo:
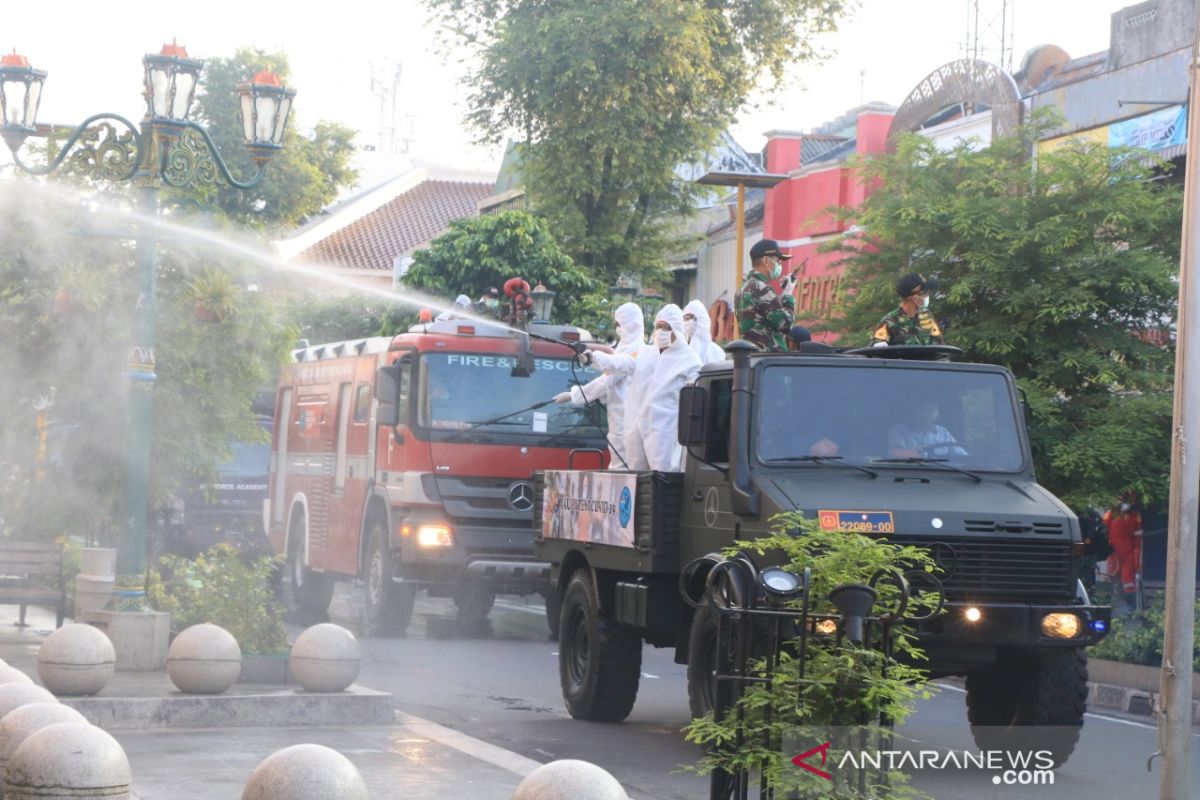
(501, 686)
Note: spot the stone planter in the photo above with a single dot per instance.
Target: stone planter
(1132, 676)
(266, 670)
(94, 584)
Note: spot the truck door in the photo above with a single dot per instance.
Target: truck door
(708, 519)
(279, 462)
(340, 512)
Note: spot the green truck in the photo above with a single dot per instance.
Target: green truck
(898, 442)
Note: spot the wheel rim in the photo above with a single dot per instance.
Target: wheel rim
(375, 578)
(577, 646)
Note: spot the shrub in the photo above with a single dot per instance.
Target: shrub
(1138, 639)
(222, 588)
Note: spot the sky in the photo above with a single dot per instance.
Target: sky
(880, 53)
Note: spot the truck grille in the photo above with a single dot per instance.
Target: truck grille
(1025, 569)
(484, 501)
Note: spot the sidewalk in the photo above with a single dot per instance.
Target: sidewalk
(409, 757)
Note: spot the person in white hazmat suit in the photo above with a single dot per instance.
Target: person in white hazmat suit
(611, 388)
(462, 305)
(697, 327)
(652, 405)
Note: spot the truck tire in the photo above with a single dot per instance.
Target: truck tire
(474, 603)
(1030, 700)
(309, 592)
(702, 662)
(388, 606)
(599, 661)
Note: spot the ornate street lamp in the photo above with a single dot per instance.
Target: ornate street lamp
(169, 148)
(623, 291)
(651, 300)
(20, 94)
(543, 302)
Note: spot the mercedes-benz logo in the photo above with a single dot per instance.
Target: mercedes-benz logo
(946, 557)
(520, 496)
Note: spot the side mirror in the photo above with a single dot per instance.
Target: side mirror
(692, 400)
(387, 392)
(1026, 412)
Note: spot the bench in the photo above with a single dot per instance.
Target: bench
(28, 573)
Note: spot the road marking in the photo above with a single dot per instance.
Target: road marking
(469, 745)
(648, 675)
(539, 610)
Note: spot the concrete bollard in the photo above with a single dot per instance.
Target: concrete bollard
(305, 772)
(325, 658)
(67, 760)
(19, 724)
(569, 780)
(76, 660)
(204, 659)
(12, 675)
(15, 695)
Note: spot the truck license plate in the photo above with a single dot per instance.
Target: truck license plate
(857, 521)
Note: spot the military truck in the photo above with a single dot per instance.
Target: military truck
(897, 442)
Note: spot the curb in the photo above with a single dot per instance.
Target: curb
(288, 708)
(1130, 701)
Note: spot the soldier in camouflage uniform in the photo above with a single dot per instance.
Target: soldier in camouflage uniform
(764, 316)
(911, 322)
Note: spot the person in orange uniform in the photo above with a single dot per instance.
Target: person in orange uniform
(1124, 524)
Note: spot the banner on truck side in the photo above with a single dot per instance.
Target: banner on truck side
(589, 507)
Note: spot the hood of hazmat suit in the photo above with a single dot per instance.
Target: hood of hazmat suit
(702, 343)
(462, 304)
(652, 406)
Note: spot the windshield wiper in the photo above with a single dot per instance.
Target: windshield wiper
(497, 420)
(929, 462)
(832, 461)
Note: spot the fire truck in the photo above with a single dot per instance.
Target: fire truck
(405, 464)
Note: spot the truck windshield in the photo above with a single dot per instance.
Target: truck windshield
(459, 390)
(885, 416)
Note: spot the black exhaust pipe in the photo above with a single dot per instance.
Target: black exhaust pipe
(743, 495)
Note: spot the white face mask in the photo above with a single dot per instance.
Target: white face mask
(662, 338)
(777, 270)
(925, 301)
(689, 328)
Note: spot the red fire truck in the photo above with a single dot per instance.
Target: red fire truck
(406, 463)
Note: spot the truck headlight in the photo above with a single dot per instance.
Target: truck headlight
(434, 536)
(1061, 625)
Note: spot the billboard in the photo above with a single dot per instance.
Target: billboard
(592, 507)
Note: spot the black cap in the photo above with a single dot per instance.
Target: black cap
(766, 247)
(914, 283)
(492, 292)
(800, 333)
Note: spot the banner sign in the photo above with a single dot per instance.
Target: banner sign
(1155, 131)
(589, 506)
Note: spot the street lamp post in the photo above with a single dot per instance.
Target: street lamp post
(166, 148)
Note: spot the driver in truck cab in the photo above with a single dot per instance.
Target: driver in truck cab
(913, 437)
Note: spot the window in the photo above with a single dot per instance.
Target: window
(362, 402)
(720, 401)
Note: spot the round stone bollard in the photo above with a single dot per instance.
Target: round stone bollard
(22, 722)
(76, 759)
(307, 771)
(76, 660)
(204, 659)
(569, 780)
(325, 658)
(12, 675)
(15, 695)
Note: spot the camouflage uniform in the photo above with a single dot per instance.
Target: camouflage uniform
(763, 316)
(896, 327)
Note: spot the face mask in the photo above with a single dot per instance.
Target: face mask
(689, 328)
(491, 302)
(662, 338)
(776, 270)
(1124, 506)
(925, 302)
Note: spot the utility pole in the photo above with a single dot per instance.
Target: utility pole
(1175, 687)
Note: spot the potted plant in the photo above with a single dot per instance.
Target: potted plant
(213, 294)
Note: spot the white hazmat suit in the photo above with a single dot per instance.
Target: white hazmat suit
(462, 305)
(611, 387)
(700, 334)
(652, 405)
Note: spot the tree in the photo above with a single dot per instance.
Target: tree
(301, 179)
(610, 98)
(478, 253)
(1063, 271)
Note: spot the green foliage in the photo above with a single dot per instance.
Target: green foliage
(1051, 270)
(336, 319)
(611, 97)
(300, 180)
(843, 684)
(1138, 639)
(481, 252)
(221, 588)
